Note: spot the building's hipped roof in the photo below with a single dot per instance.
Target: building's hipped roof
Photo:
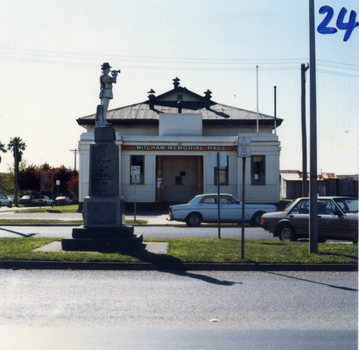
(142, 112)
(181, 100)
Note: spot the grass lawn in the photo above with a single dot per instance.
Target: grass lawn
(48, 209)
(38, 222)
(192, 250)
(56, 222)
(55, 210)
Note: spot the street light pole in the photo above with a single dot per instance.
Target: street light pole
(16, 169)
(75, 151)
(304, 68)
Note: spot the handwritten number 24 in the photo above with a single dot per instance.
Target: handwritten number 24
(347, 26)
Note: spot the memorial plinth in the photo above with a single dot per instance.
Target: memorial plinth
(104, 209)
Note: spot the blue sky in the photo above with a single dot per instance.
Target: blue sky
(51, 53)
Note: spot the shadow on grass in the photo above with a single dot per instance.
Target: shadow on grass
(169, 264)
(271, 243)
(341, 255)
(176, 267)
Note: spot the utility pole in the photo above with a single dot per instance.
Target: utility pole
(304, 68)
(313, 210)
(275, 110)
(257, 100)
(75, 151)
(218, 197)
(16, 170)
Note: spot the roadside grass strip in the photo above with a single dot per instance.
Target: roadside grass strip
(25, 222)
(191, 250)
(49, 209)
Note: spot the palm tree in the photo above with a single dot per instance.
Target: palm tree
(2, 149)
(17, 146)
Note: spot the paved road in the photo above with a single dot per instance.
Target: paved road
(177, 310)
(146, 231)
(158, 227)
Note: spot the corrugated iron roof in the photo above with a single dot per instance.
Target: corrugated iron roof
(188, 102)
(298, 176)
(291, 177)
(327, 176)
(142, 111)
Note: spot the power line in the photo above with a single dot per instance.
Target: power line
(72, 55)
(174, 63)
(355, 66)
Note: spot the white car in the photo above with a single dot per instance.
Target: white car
(44, 200)
(5, 201)
(204, 208)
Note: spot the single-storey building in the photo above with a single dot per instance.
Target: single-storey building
(329, 184)
(170, 139)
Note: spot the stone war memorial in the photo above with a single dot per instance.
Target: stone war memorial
(104, 209)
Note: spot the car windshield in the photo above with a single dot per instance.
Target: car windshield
(348, 205)
(325, 206)
(302, 207)
(290, 206)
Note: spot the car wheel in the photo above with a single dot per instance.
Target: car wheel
(287, 233)
(256, 219)
(10, 205)
(193, 219)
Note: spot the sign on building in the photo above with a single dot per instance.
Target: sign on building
(244, 147)
(135, 173)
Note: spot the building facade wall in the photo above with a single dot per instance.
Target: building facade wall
(151, 147)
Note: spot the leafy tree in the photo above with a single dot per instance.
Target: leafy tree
(2, 149)
(64, 175)
(17, 146)
(45, 167)
(29, 179)
(7, 183)
(22, 166)
(73, 187)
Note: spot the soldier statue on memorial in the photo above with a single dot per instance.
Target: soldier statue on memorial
(103, 213)
(106, 94)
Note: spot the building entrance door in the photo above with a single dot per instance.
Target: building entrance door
(181, 178)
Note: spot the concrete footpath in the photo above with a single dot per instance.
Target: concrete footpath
(151, 218)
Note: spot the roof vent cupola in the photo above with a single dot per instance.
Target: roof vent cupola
(151, 98)
(207, 98)
(176, 82)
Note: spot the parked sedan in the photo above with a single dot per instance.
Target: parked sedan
(204, 208)
(337, 219)
(62, 200)
(5, 201)
(43, 200)
(12, 198)
(25, 199)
